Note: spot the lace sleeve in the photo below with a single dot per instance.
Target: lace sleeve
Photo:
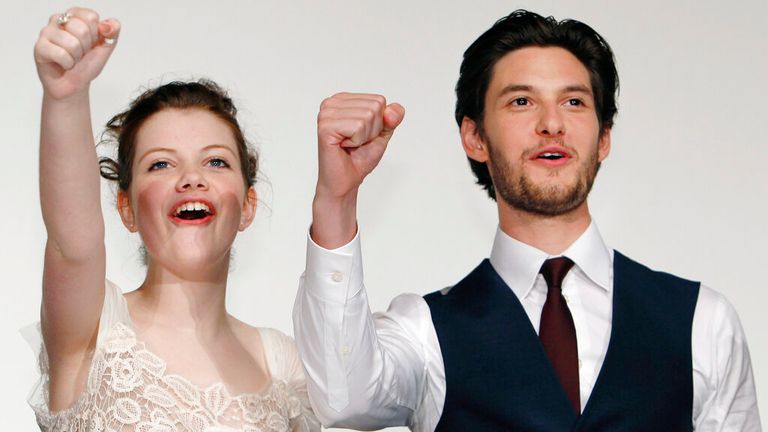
(286, 366)
(38, 396)
(114, 310)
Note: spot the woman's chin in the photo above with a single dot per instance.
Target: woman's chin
(193, 262)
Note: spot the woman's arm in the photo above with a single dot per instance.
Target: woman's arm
(69, 54)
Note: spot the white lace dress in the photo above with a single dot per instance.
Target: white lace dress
(128, 389)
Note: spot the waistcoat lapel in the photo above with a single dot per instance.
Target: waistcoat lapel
(497, 373)
(647, 374)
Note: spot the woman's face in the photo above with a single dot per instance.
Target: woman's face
(187, 199)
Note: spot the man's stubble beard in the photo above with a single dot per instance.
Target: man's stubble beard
(520, 192)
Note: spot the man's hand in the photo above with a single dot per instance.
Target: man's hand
(352, 133)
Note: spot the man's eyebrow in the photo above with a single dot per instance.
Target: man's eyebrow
(511, 88)
(579, 88)
(575, 88)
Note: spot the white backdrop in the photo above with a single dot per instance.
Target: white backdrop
(684, 189)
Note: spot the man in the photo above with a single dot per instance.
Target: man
(555, 332)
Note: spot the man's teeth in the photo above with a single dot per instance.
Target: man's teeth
(549, 155)
(192, 206)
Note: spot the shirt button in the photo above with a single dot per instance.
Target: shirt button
(337, 276)
(345, 350)
(579, 363)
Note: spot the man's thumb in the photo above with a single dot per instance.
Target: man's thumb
(393, 116)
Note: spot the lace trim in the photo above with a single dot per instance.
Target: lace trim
(128, 390)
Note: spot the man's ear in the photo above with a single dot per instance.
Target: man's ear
(472, 141)
(604, 145)
(126, 211)
(249, 209)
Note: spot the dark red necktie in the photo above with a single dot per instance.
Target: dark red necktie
(557, 332)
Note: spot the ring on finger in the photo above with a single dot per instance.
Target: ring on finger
(63, 19)
(110, 41)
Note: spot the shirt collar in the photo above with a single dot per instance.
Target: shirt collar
(518, 263)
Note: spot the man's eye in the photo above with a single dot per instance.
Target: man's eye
(218, 163)
(521, 101)
(575, 102)
(158, 165)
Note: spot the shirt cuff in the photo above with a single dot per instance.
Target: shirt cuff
(334, 275)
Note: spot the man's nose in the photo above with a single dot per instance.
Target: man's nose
(550, 122)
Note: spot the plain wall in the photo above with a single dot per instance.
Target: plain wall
(683, 190)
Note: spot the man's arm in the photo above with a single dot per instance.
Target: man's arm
(352, 133)
(361, 372)
(728, 397)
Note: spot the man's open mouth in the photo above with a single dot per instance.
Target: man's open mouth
(551, 155)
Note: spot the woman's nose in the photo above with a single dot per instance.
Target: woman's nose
(191, 180)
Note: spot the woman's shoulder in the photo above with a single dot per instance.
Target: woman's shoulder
(278, 349)
(276, 339)
(287, 374)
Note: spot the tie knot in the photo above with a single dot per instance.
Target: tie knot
(554, 270)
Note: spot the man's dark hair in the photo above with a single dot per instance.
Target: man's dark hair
(522, 29)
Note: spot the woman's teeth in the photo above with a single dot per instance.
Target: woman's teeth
(193, 210)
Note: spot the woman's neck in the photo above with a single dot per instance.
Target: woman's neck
(182, 299)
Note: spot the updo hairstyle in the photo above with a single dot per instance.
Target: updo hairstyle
(202, 94)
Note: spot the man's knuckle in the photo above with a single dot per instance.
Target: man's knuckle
(326, 103)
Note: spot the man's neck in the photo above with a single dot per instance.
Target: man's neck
(551, 234)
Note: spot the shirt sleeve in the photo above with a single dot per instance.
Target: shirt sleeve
(728, 401)
(364, 371)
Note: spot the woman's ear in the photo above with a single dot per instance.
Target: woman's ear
(249, 209)
(126, 211)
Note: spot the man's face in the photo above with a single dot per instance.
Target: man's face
(541, 138)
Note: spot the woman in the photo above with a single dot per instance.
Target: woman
(167, 356)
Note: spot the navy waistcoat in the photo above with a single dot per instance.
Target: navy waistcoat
(498, 377)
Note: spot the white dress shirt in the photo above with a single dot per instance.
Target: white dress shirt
(369, 371)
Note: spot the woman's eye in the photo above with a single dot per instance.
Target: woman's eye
(158, 165)
(218, 163)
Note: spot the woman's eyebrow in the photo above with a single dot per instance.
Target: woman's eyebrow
(156, 150)
(219, 146)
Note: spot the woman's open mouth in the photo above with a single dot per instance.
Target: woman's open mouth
(193, 212)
